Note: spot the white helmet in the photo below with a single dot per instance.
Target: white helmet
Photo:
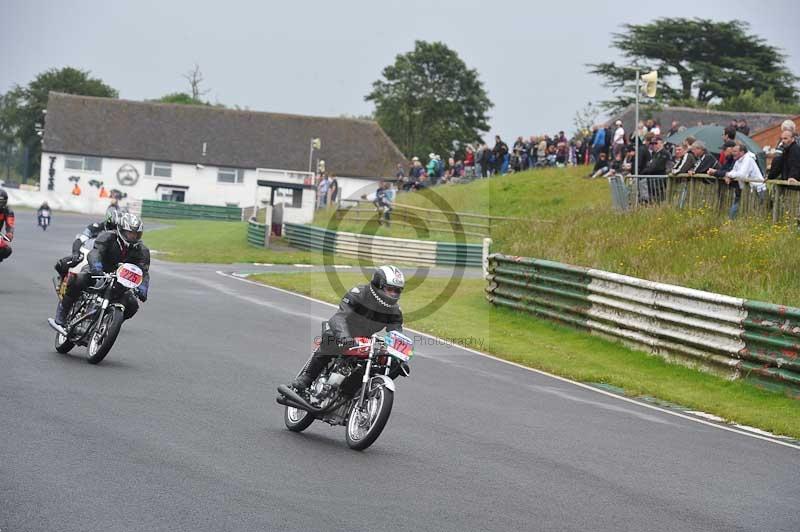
(387, 285)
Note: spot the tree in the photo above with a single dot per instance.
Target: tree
(585, 118)
(428, 99)
(195, 78)
(748, 101)
(697, 59)
(21, 111)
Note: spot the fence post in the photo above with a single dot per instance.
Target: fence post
(487, 242)
(776, 203)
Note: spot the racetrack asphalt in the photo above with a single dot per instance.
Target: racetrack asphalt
(178, 429)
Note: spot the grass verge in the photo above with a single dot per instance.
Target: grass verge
(573, 354)
(221, 243)
(570, 220)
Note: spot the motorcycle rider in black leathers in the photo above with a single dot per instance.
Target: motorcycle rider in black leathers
(7, 222)
(363, 311)
(110, 249)
(109, 223)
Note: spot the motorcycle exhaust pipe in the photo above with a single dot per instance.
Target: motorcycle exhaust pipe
(290, 396)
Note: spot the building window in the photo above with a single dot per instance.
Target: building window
(156, 169)
(230, 175)
(290, 197)
(84, 164)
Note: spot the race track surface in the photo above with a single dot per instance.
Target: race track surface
(178, 430)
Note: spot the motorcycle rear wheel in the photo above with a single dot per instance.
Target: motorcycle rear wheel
(363, 428)
(297, 420)
(104, 336)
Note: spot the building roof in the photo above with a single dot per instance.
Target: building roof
(770, 136)
(108, 127)
(690, 116)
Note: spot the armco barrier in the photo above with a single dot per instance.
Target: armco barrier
(256, 234)
(381, 249)
(756, 341)
(177, 210)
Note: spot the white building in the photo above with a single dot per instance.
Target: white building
(207, 155)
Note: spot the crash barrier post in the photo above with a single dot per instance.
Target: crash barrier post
(430, 220)
(735, 337)
(383, 249)
(179, 210)
(257, 234)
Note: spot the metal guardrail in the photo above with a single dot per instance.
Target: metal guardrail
(179, 210)
(738, 338)
(383, 249)
(257, 234)
(433, 220)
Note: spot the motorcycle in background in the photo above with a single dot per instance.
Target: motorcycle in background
(355, 389)
(44, 219)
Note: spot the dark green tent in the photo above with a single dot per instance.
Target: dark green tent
(712, 138)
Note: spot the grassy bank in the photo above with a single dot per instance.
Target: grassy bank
(570, 220)
(573, 354)
(220, 243)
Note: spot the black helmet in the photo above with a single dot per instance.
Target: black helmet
(387, 284)
(3, 198)
(129, 229)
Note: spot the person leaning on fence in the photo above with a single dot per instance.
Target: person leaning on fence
(657, 168)
(705, 161)
(786, 166)
(745, 167)
(684, 161)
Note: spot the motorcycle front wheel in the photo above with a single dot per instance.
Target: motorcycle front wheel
(297, 420)
(104, 335)
(63, 345)
(365, 425)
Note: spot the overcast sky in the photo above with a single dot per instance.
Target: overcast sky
(321, 57)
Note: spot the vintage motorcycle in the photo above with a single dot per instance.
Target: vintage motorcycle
(44, 219)
(355, 389)
(95, 319)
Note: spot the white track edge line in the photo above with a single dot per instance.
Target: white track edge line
(541, 372)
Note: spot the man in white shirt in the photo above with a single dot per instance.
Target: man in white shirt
(618, 144)
(744, 168)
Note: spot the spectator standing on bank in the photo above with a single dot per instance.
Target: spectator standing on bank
(744, 167)
(598, 141)
(619, 138)
(787, 165)
(469, 162)
(499, 151)
(674, 128)
(486, 155)
(742, 127)
(322, 191)
(705, 161)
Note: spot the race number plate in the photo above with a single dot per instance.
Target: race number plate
(400, 346)
(129, 275)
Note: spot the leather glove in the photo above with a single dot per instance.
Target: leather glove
(76, 257)
(141, 295)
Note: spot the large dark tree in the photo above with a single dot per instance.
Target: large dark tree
(22, 107)
(428, 99)
(699, 61)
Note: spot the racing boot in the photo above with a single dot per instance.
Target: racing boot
(310, 372)
(59, 323)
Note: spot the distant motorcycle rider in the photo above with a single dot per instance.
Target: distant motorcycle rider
(109, 223)
(363, 311)
(110, 248)
(6, 221)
